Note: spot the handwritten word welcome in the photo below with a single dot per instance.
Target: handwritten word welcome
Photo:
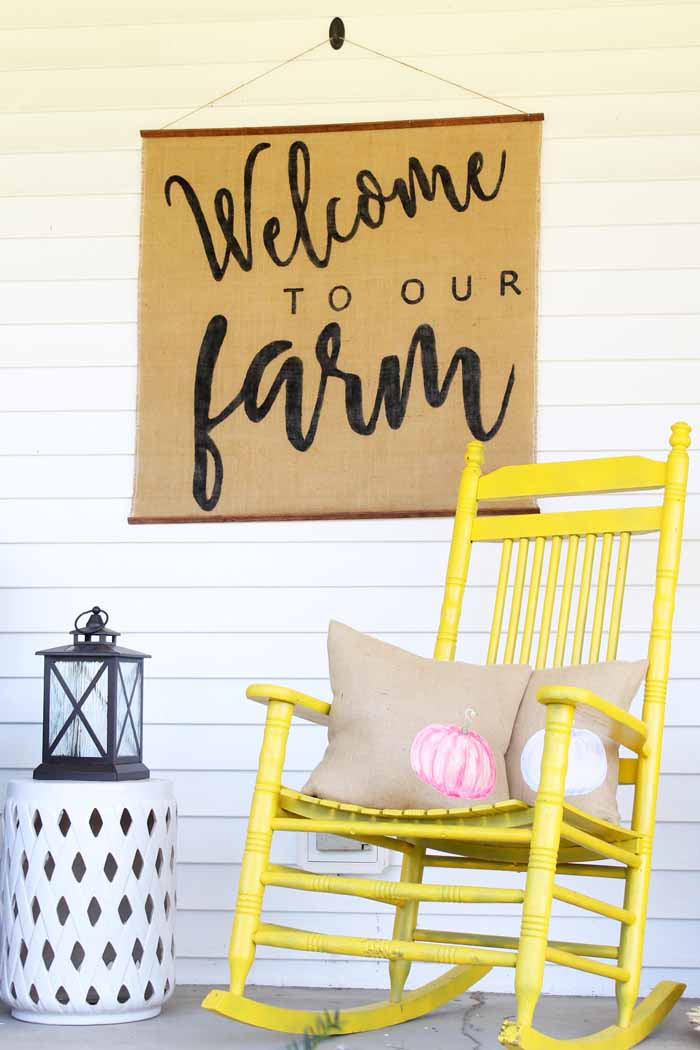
(370, 207)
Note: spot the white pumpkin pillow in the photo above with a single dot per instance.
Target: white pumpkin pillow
(398, 737)
(592, 774)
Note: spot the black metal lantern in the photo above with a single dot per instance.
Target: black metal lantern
(93, 706)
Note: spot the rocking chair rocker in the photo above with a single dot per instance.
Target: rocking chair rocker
(544, 840)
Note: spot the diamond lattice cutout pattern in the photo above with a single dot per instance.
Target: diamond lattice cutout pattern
(48, 955)
(78, 867)
(110, 867)
(95, 822)
(137, 866)
(87, 895)
(77, 955)
(49, 866)
(94, 911)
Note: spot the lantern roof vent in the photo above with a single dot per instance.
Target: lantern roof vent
(96, 625)
(94, 638)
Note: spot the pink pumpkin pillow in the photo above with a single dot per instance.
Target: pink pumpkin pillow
(385, 700)
(455, 760)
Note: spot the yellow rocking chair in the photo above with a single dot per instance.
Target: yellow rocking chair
(544, 840)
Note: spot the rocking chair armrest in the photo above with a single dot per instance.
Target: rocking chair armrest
(305, 706)
(620, 726)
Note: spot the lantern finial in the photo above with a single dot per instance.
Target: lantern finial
(96, 623)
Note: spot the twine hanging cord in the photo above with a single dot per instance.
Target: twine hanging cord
(362, 47)
(434, 76)
(244, 84)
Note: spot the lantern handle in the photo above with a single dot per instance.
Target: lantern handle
(95, 611)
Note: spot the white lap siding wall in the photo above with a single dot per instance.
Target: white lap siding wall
(219, 605)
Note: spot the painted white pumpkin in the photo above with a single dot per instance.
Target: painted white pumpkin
(588, 763)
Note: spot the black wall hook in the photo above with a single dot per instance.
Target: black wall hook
(336, 33)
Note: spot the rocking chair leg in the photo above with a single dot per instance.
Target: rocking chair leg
(542, 863)
(405, 921)
(257, 847)
(632, 936)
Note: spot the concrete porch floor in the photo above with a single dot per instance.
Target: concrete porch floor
(469, 1022)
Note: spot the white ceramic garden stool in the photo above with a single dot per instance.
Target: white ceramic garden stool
(87, 900)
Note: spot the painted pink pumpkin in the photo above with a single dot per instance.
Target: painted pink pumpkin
(456, 761)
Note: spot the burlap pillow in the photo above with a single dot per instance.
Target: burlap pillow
(382, 696)
(593, 756)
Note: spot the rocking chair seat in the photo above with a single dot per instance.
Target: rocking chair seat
(512, 813)
(454, 812)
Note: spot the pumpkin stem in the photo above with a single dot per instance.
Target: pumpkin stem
(469, 716)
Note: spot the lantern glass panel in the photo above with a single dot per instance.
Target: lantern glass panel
(128, 703)
(79, 676)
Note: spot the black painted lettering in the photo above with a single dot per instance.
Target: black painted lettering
(392, 394)
(462, 298)
(341, 302)
(224, 211)
(508, 279)
(293, 292)
(369, 210)
(417, 295)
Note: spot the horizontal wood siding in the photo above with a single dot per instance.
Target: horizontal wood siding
(217, 605)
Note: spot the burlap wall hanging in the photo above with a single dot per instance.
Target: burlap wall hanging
(328, 314)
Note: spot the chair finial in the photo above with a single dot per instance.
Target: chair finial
(680, 435)
(475, 453)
